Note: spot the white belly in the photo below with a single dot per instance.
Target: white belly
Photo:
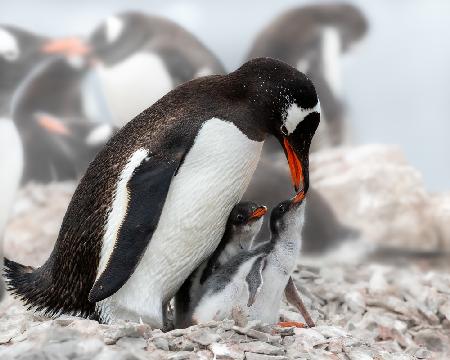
(268, 301)
(133, 85)
(11, 166)
(221, 305)
(212, 179)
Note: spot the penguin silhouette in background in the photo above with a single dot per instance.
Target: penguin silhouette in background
(141, 57)
(153, 204)
(20, 52)
(311, 38)
(58, 137)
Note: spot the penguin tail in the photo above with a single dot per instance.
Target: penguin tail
(27, 284)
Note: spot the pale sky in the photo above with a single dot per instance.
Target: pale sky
(396, 83)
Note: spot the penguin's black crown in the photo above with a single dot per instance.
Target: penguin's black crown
(276, 85)
(246, 212)
(282, 215)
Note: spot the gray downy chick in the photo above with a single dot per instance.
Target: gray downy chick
(243, 224)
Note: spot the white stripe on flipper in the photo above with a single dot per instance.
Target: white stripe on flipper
(118, 209)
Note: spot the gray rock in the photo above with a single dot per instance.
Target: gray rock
(255, 356)
(161, 343)
(261, 348)
(432, 340)
(126, 329)
(205, 355)
(227, 351)
(180, 355)
(181, 344)
(262, 336)
(203, 337)
(40, 355)
(355, 301)
(423, 353)
(132, 343)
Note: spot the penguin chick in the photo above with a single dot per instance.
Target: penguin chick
(243, 224)
(253, 282)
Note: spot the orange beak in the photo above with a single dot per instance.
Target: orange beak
(52, 125)
(298, 197)
(259, 212)
(71, 46)
(295, 165)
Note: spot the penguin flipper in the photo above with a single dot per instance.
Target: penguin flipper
(254, 279)
(147, 192)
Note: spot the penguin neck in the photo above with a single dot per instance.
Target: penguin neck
(5, 104)
(226, 248)
(286, 247)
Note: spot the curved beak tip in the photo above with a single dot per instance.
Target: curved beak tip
(259, 212)
(298, 197)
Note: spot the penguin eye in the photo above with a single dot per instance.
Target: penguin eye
(240, 218)
(282, 208)
(284, 130)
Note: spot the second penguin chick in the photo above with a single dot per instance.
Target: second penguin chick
(243, 224)
(253, 282)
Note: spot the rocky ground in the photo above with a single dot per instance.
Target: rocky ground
(362, 312)
(368, 308)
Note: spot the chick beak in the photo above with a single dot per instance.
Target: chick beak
(298, 198)
(258, 213)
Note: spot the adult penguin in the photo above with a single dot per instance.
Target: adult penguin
(58, 136)
(142, 57)
(154, 203)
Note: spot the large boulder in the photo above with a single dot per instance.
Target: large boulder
(375, 189)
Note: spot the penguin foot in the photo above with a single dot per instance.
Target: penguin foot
(286, 324)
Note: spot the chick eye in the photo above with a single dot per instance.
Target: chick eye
(284, 130)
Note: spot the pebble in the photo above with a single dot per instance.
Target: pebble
(261, 348)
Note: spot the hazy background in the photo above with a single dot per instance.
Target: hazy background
(396, 82)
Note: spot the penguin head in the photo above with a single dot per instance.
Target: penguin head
(10, 47)
(73, 138)
(21, 50)
(288, 217)
(118, 37)
(287, 107)
(244, 223)
(18, 51)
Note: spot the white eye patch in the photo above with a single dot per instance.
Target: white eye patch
(295, 115)
(9, 48)
(113, 28)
